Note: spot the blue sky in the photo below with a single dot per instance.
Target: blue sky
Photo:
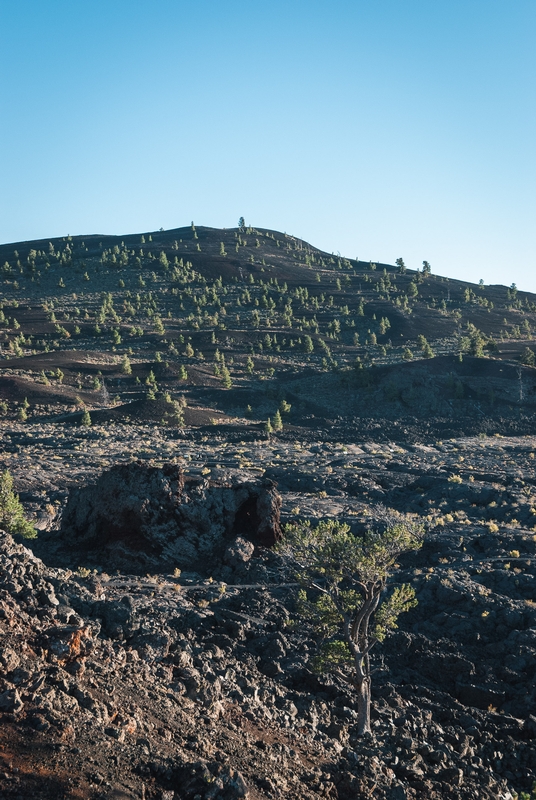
(379, 129)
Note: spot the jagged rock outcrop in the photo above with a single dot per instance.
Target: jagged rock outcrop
(144, 515)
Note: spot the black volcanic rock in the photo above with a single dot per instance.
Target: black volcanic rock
(145, 514)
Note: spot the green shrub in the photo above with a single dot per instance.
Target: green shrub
(12, 519)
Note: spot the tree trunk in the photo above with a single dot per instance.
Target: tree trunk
(363, 707)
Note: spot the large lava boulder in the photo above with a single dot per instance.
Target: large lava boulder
(136, 512)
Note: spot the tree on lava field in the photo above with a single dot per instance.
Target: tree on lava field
(343, 596)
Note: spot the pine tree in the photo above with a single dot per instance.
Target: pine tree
(277, 422)
(86, 419)
(226, 378)
(528, 357)
(308, 345)
(427, 351)
(12, 519)
(344, 578)
(175, 417)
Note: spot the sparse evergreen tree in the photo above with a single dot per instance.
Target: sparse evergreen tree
(344, 579)
(308, 344)
(277, 422)
(528, 357)
(126, 367)
(85, 420)
(384, 325)
(427, 351)
(175, 416)
(12, 519)
(226, 378)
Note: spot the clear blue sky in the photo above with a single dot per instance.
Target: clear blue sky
(379, 129)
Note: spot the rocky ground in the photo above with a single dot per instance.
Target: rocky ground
(165, 681)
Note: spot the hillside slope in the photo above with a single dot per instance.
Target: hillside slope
(235, 321)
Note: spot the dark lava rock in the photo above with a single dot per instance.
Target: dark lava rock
(141, 515)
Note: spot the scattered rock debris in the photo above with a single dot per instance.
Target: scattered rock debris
(184, 685)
